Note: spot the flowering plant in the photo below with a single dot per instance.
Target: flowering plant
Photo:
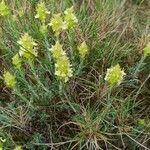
(114, 75)
(4, 10)
(9, 79)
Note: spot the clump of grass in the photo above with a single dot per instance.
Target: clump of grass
(75, 75)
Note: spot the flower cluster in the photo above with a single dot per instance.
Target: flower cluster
(70, 18)
(4, 10)
(69, 22)
(21, 12)
(27, 47)
(41, 12)
(27, 51)
(16, 61)
(141, 122)
(57, 51)
(63, 68)
(9, 79)
(57, 23)
(147, 50)
(83, 50)
(114, 75)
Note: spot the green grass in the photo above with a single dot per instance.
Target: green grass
(43, 113)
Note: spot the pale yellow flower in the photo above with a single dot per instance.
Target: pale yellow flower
(70, 18)
(83, 50)
(63, 69)
(57, 23)
(57, 50)
(114, 75)
(4, 10)
(21, 12)
(9, 79)
(16, 61)
(27, 47)
(42, 12)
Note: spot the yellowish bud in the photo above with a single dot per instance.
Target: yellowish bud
(9, 79)
(114, 75)
(70, 19)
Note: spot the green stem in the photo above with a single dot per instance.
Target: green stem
(139, 65)
(62, 92)
(37, 78)
(80, 67)
(70, 38)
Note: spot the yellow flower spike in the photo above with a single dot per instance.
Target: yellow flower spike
(9, 80)
(57, 23)
(114, 75)
(63, 69)
(27, 49)
(21, 12)
(147, 50)
(57, 51)
(70, 19)
(18, 148)
(4, 10)
(83, 50)
(16, 61)
(42, 12)
(141, 122)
